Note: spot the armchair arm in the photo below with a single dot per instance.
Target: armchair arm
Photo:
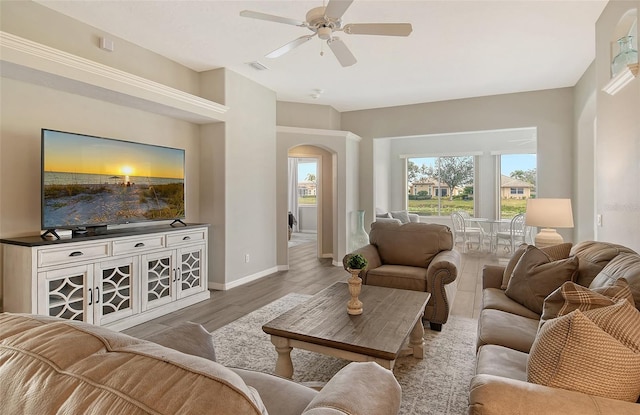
(442, 271)
(414, 217)
(370, 252)
(496, 395)
(358, 389)
(492, 276)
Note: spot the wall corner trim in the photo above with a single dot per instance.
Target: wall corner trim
(315, 131)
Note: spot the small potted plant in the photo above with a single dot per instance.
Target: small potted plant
(355, 264)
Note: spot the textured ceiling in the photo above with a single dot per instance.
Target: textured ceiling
(458, 49)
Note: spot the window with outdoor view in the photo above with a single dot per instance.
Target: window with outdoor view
(517, 183)
(307, 183)
(438, 186)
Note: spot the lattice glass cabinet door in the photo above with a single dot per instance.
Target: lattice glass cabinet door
(191, 262)
(115, 290)
(158, 281)
(67, 293)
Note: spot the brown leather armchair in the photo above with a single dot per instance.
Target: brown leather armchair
(414, 256)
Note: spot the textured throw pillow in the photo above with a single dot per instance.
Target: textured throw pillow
(535, 276)
(577, 353)
(187, 337)
(555, 252)
(402, 215)
(571, 296)
(385, 215)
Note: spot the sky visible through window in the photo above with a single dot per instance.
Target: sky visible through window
(304, 169)
(509, 162)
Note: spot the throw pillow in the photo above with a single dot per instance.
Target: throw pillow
(621, 321)
(575, 353)
(385, 215)
(403, 215)
(508, 270)
(555, 252)
(571, 296)
(535, 276)
(187, 337)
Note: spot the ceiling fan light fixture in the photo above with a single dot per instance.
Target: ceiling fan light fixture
(324, 32)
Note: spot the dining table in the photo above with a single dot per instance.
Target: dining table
(492, 228)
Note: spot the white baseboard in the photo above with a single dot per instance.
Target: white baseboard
(242, 281)
(283, 267)
(337, 264)
(326, 256)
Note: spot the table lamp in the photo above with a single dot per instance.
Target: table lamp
(549, 214)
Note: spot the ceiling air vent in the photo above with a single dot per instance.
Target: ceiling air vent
(257, 66)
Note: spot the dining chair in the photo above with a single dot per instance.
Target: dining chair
(464, 233)
(513, 236)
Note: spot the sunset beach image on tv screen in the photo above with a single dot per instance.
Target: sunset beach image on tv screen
(91, 181)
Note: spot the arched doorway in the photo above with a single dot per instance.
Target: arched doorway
(311, 197)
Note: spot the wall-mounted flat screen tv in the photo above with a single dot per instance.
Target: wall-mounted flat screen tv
(93, 182)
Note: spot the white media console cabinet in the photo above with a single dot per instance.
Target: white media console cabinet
(117, 279)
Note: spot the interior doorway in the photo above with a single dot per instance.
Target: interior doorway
(314, 196)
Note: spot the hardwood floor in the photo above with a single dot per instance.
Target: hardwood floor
(306, 275)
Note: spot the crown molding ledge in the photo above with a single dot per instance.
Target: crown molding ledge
(619, 81)
(29, 61)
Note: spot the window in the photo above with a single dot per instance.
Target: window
(517, 183)
(307, 183)
(438, 186)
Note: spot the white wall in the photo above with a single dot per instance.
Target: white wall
(294, 114)
(245, 207)
(584, 148)
(551, 112)
(617, 139)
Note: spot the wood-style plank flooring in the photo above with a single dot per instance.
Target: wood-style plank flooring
(306, 275)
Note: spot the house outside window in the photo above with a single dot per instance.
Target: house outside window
(517, 183)
(438, 186)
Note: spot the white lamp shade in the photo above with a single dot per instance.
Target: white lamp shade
(549, 213)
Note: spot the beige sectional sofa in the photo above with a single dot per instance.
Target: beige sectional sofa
(49, 366)
(414, 256)
(508, 334)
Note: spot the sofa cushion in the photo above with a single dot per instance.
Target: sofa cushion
(625, 266)
(571, 296)
(496, 299)
(398, 276)
(535, 276)
(555, 252)
(597, 353)
(502, 361)
(506, 329)
(65, 364)
(594, 256)
(187, 337)
(410, 244)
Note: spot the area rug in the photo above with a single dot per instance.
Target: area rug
(437, 384)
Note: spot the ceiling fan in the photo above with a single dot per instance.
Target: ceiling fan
(324, 22)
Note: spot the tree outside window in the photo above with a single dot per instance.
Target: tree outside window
(438, 186)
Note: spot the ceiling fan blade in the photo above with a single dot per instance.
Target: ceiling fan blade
(383, 29)
(342, 52)
(289, 46)
(336, 8)
(271, 18)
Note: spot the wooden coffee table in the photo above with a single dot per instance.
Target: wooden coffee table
(321, 324)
